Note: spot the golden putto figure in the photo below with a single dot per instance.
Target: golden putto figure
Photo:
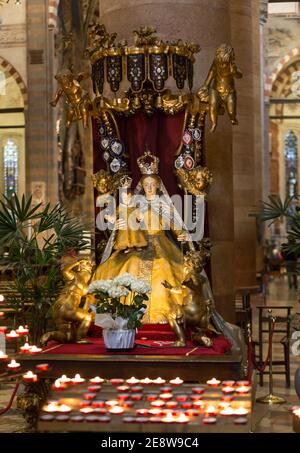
(76, 97)
(220, 85)
(71, 321)
(195, 311)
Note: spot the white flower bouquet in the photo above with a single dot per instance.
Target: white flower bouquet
(120, 301)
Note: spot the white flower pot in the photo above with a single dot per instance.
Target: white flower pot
(119, 338)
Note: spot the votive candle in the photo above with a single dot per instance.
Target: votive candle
(97, 380)
(30, 377)
(25, 348)
(22, 330)
(13, 365)
(176, 381)
(12, 335)
(213, 382)
(3, 356)
(77, 379)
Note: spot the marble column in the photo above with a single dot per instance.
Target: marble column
(246, 137)
(41, 158)
(206, 22)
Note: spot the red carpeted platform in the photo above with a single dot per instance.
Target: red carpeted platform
(152, 339)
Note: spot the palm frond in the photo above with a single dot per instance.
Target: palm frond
(274, 208)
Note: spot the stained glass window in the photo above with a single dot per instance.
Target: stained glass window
(11, 158)
(291, 164)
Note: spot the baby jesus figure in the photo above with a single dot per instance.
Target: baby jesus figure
(127, 220)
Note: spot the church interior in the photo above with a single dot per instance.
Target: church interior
(149, 216)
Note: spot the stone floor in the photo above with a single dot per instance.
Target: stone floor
(266, 419)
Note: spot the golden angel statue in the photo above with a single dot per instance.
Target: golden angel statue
(76, 97)
(220, 86)
(71, 321)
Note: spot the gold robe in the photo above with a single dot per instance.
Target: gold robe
(160, 260)
(129, 237)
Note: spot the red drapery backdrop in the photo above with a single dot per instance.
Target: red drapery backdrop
(160, 132)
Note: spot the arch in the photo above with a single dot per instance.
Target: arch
(10, 70)
(52, 13)
(284, 62)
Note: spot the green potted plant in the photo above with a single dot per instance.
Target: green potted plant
(272, 210)
(120, 307)
(35, 239)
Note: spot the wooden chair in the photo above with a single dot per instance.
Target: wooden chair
(282, 326)
(243, 307)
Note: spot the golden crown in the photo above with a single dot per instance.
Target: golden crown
(125, 182)
(148, 163)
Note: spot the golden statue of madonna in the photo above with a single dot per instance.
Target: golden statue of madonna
(159, 256)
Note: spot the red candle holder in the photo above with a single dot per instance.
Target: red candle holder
(210, 411)
(30, 377)
(143, 412)
(171, 404)
(104, 419)
(181, 398)
(94, 388)
(98, 403)
(12, 335)
(42, 367)
(137, 389)
(209, 420)
(198, 390)
(166, 396)
(34, 350)
(84, 404)
(123, 388)
(21, 331)
(128, 404)
(243, 383)
(213, 382)
(116, 381)
(198, 405)
(196, 397)
(152, 397)
(89, 396)
(142, 420)
(186, 405)
(3, 357)
(241, 421)
(157, 403)
(123, 396)
(13, 365)
(116, 410)
(128, 419)
(96, 380)
(58, 386)
(137, 397)
(166, 389)
(228, 390)
(25, 348)
(86, 410)
(228, 383)
(192, 413)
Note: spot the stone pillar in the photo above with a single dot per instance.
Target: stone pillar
(245, 139)
(206, 22)
(41, 158)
